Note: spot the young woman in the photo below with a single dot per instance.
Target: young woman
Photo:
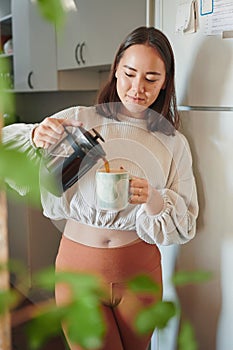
(137, 116)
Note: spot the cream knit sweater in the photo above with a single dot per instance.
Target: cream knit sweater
(164, 160)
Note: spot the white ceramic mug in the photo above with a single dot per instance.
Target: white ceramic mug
(112, 189)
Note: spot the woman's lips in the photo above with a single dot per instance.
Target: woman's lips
(135, 99)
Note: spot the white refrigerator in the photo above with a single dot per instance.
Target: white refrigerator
(204, 86)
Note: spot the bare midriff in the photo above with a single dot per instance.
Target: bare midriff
(98, 237)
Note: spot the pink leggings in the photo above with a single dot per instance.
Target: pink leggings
(115, 266)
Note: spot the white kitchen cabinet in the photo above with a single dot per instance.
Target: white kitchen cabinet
(34, 45)
(93, 32)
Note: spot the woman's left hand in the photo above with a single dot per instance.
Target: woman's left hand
(142, 192)
(139, 190)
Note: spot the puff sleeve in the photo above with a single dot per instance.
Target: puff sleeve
(19, 137)
(176, 223)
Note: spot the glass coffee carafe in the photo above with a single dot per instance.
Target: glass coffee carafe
(71, 157)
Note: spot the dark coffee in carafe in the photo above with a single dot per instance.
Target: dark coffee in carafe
(73, 156)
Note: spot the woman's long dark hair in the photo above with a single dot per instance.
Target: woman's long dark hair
(166, 118)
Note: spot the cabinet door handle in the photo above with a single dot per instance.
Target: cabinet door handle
(76, 54)
(81, 52)
(30, 80)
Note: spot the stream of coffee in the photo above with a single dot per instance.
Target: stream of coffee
(106, 165)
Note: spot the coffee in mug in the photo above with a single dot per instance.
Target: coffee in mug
(112, 189)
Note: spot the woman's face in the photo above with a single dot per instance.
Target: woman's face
(140, 76)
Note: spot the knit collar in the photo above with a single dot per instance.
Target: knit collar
(131, 120)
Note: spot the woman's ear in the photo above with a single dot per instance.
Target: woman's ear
(164, 85)
(116, 73)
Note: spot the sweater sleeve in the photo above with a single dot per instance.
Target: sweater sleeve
(176, 223)
(19, 137)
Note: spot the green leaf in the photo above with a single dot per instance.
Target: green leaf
(85, 323)
(6, 98)
(82, 316)
(186, 338)
(44, 326)
(80, 283)
(18, 168)
(45, 279)
(156, 316)
(52, 11)
(8, 300)
(11, 298)
(190, 277)
(15, 266)
(143, 284)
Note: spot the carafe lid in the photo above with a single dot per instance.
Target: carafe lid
(89, 141)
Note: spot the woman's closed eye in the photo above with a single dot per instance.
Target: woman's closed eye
(147, 79)
(151, 80)
(130, 75)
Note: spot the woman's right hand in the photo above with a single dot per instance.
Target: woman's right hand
(50, 130)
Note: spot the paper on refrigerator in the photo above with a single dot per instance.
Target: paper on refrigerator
(186, 17)
(221, 19)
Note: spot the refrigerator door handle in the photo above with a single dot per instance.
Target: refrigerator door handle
(150, 12)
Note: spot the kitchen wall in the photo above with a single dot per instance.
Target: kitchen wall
(34, 107)
(209, 305)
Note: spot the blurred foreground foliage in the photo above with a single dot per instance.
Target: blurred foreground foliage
(82, 315)
(52, 10)
(6, 98)
(16, 167)
(19, 171)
